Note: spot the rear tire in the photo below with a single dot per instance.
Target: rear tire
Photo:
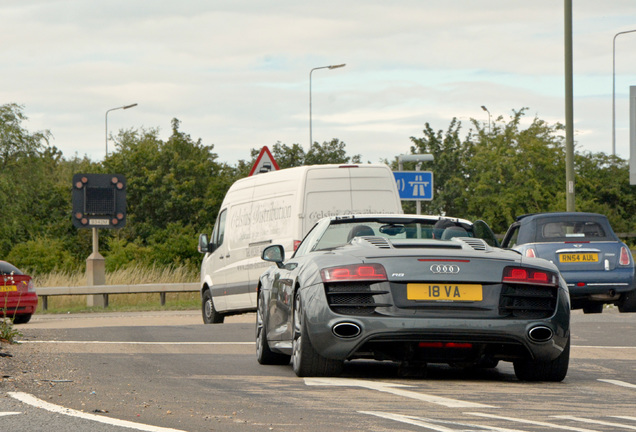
(22, 319)
(628, 302)
(593, 308)
(210, 314)
(306, 361)
(551, 370)
(264, 354)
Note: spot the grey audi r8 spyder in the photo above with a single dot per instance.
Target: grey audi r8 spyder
(414, 290)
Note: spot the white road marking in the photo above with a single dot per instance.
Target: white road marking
(532, 422)
(618, 383)
(38, 403)
(605, 347)
(8, 413)
(624, 417)
(435, 425)
(394, 389)
(137, 343)
(600, 422)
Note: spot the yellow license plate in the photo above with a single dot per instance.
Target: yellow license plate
(5, 288)
(445, 292)
(578, 257)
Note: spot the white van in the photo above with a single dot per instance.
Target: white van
(280, 207)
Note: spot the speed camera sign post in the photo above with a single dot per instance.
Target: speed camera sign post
(99, 201)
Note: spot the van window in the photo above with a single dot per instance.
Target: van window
(219, 230)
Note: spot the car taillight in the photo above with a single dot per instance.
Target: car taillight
(355, 272)
(296, 244)
(30, 286)
(530, 253)
(529, 276)
(624, 260)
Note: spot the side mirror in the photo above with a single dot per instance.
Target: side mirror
(275, 254)
(204, 244)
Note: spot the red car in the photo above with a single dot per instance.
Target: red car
(18, 299)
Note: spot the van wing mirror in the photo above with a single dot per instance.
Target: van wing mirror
(204, 244)
(275, 254)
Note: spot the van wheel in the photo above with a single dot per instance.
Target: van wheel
(210, 315)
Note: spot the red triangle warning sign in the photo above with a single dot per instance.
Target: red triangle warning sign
(264, 162)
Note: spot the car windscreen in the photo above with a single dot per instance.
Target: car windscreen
(551, 230)
(339, 234)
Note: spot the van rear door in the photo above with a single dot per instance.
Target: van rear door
(334, 191)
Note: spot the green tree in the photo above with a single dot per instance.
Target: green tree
(332, 152)
(514, 171)
(16, 143)
(602, 186)
(288, 157)
(449, 167)
(178, 181)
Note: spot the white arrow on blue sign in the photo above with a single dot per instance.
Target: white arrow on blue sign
(414, 185)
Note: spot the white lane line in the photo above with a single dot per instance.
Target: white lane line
(532, 422)
(618, 383)
(599, 422)
(8, 413)
(395, 389)
(136, 343)
(435, 425)
(624, 417)
(604, 347)
(38, 403)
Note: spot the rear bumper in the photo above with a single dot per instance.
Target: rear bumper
(584, 284)
(17, 305)
(508, 338)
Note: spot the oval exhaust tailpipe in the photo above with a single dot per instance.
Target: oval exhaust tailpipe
(540, 334)
(346, 330)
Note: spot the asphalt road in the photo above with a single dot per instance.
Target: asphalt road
(163, 371)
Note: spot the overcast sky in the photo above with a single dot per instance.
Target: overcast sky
(236, 72)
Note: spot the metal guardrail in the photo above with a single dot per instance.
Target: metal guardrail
(45, 292)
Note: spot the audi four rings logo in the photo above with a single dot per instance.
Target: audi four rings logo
(443, 268)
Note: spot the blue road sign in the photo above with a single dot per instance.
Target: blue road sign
(414, 185)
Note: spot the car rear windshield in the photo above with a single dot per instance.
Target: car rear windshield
(8, 269)
(569, 230)
(339, 234)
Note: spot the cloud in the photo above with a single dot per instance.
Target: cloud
(236, 73)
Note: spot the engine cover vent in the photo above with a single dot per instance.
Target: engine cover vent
(475, 243)
(379, 242)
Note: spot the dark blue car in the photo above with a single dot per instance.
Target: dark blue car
(596, 265)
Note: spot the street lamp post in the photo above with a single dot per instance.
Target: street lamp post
(614, 89)
(310, 72)
(486, 109)
(106, 120)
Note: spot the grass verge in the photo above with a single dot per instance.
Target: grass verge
(122, 302)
